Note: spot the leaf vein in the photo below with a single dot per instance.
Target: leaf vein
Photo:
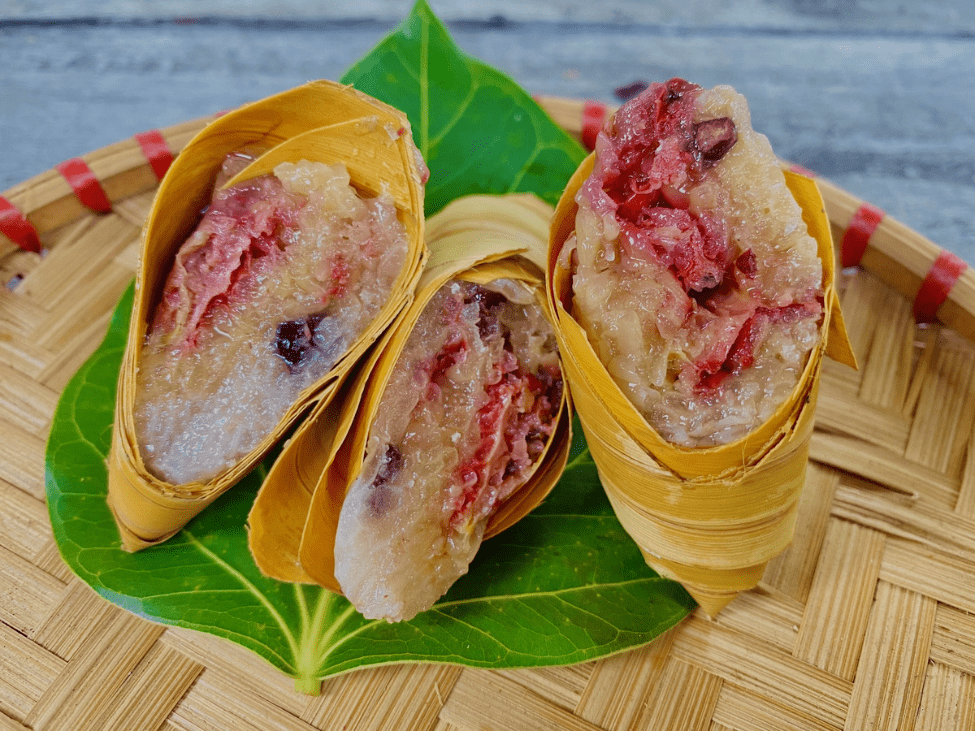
(578, 459)
(271, 609)
(242, 639)
(461, 111)
(557, 593)
(516, 181)
(424, 87)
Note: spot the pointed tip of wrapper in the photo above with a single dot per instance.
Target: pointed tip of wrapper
(710, 603)
(713, 589)
(144, 516)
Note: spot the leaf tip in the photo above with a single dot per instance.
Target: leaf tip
(422, 7)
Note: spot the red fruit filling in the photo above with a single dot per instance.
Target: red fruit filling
(389, 467)
(649, 162)
(659, 152)
(294, 339)
(513, 425)
(242, 224)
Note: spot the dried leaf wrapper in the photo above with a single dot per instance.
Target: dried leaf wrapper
(321, 122)
(712, 517)
(293, 524)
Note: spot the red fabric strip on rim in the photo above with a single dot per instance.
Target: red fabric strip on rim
(857, 235)
(85, 185)
(937, 285)
(593, 116)
(156, 150)
(15, 226)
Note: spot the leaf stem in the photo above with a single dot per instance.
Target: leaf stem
(303, 608)
(308, 679)
(308, 685)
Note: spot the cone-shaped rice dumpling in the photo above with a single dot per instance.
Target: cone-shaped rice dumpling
(281, 243)
(460, 426)
(693, 285)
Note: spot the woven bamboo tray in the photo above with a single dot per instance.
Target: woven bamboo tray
(866, 622)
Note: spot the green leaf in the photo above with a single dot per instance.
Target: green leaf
(564, 585)
(479, 131)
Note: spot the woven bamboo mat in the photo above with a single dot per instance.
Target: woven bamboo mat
(866, 622)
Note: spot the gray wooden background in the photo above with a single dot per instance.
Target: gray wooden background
(877, 95)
